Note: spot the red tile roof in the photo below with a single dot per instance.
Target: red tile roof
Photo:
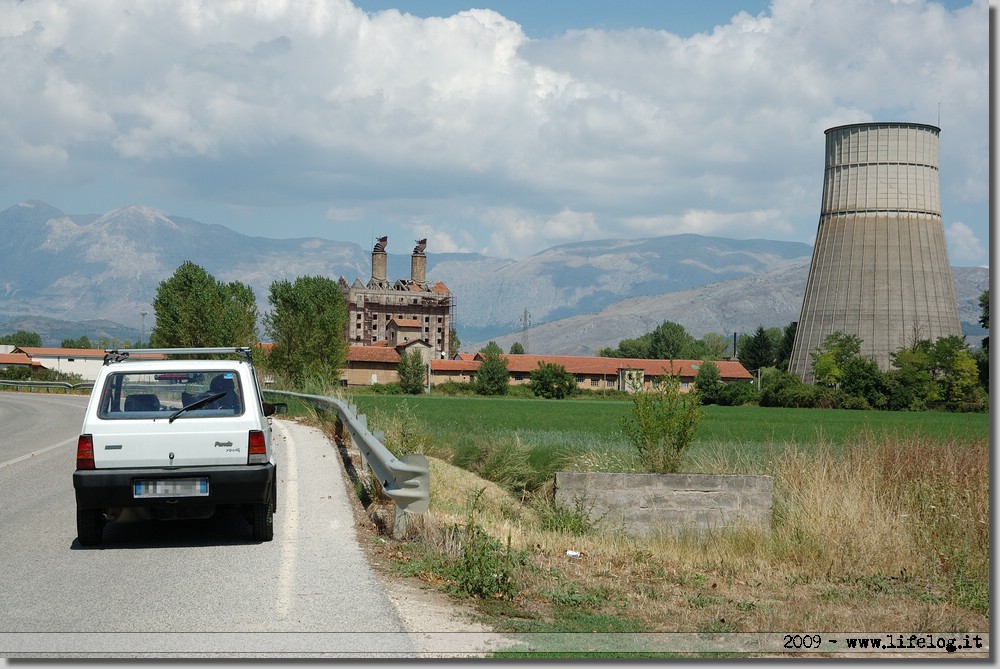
(728, 369)
(16, 359)
(406, 322)
(62, 352)
(574, 364)
(372, 354)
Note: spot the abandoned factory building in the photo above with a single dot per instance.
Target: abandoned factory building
(425, 310)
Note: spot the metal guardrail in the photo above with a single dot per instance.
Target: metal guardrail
(47, 384)
(405, 480)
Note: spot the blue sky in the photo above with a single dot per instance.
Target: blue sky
(503, 128)
(546, 18)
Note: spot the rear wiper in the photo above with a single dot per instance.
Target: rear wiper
(194, 405)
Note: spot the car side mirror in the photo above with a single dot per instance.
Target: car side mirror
(277, 407)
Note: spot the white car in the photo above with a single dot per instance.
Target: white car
(168, 450)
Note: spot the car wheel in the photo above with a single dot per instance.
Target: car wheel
(89, 526)
(262, 519)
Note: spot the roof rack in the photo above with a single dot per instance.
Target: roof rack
(120, 354)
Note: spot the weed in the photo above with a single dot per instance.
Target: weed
(484, 568)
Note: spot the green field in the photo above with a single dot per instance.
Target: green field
(735, 425)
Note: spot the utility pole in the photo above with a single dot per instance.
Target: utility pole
(525, 324)
(143, 331)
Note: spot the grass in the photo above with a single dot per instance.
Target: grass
(734, 425)
(880, 520)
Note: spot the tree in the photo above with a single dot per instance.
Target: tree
(411, 373)
(830, 358)
(670, 341)
(708, 381)
(712, 346)
(22, 339)
(82, 342)
(983, 353)
(862, 377)
(662, 424)
(759, 351)
(516, 348)
(193, 309)
(307, 324)
(954, 368)
(454, 343)
(492, 377)
(911, 383)
(552, 381)
(491, 347)
(784, 352)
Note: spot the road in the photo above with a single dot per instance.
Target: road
(198, 588)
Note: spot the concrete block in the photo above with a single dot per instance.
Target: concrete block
(644, 505)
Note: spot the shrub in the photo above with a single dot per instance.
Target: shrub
(662, 424)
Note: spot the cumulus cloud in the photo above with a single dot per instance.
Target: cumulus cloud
(465, 128)
(963, 245)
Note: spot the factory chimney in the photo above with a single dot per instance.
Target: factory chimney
(380, 261)
(418, 263)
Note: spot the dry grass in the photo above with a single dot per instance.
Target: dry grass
(889, 535)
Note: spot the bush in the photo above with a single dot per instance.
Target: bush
(662, 424)
(737, 393)
(552, 381)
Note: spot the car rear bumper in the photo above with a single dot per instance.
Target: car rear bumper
(114, 488)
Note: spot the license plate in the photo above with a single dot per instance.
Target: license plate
(171, 487)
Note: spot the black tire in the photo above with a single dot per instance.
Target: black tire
(262, 520)
(89, 526)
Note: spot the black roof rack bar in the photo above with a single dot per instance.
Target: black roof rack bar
(119, 354)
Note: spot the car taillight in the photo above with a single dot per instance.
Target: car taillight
(257, 454)
(85, 452)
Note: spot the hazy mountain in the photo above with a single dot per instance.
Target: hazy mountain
(65, 276)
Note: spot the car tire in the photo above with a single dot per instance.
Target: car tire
(262, 519)
(89, 526)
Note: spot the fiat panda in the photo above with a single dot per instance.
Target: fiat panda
(161, 450)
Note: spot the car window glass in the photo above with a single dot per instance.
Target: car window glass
(142, 395)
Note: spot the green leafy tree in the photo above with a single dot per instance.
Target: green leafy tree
(193, 309)
(982, 354)
(82, 342)
(862, 378)
(912, 383)
(708, 382)
(955, 370)
(670, 341)
(22, 339)
(454, 343)
(412, 373)
(830, 358)
(491, 347)
(662, 424)
(711, 346)
(307, 323)
(516, 348)
(552, 381)
(492, 377)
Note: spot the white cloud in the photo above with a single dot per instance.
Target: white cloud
(963, 246)
(426, 122)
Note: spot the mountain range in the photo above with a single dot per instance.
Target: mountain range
(68, 275)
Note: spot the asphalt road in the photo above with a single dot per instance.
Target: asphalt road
(200, 588)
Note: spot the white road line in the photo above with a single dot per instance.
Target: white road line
(289, 478)
(38, 452)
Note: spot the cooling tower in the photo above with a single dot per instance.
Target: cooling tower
(879, 266)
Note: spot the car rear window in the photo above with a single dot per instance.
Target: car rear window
(153, 394)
